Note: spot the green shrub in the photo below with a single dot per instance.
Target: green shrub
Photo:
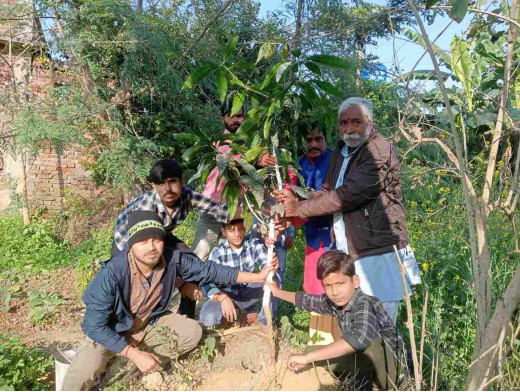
(32, 246)
(21, 367)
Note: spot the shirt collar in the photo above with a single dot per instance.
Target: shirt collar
(346, 153)
(353, 300)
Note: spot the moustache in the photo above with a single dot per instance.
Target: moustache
(353, 136)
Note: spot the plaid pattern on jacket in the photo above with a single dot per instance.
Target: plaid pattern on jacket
(362, 320)
(150, 201)
(253, 253)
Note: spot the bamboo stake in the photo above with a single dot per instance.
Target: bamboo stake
(409, 324)
(423, 333)
(231, 331)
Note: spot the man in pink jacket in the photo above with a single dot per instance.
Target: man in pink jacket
(208, 229)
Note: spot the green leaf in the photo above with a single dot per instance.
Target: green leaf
(249, 169)
(231, 194)
(267, 126)
(190, 152)
(252, 154)
(222, 163)
(270, 75)
(198, 75)
(296, 52)
(304, 193)
(419, 40)
(274, 108)
(331, 61)
(328, 87)
(249, 124)
(313, 67)
(200, 170)
(459, 10)
(462, 64)
(186, 137)
(281, 70)
(222, 83)
(424, 74)
(297, 107)
(266, 51)
(34, 294)
(210, 343)
(231, 45)
(238, 102)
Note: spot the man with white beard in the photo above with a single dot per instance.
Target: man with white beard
(362, 191)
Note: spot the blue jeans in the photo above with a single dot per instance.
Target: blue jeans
(247, 297)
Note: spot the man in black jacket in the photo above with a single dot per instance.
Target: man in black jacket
(128, 303)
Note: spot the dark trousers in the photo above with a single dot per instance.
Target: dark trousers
(360, 371)
(187, 306)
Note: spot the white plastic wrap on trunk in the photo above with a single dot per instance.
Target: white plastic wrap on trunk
(270, 251)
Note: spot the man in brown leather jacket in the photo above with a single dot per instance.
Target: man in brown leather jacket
(362, 191)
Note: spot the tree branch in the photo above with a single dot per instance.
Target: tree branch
(497, 135)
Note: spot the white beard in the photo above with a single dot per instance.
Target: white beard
(353, 140)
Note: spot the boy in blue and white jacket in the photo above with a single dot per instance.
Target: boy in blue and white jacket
(244, 252)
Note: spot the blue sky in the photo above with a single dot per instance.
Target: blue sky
(408, 53)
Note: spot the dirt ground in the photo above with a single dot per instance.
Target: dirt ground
(242, 361)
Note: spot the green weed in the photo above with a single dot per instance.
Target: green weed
(9, 289)
(43, 304)
(209, 349)
(21, 367)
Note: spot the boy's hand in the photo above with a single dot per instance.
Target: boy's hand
(191, 291)
(268, 268)
(145, 362)
(228, 309)
(275, 290)
(296, 362)
(269, 241)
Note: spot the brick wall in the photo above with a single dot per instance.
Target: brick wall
(50, 174)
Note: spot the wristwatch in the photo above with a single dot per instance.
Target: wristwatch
(217, 296)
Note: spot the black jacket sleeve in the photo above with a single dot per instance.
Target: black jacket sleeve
(193, 269)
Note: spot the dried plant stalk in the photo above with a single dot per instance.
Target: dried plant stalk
(409, 324)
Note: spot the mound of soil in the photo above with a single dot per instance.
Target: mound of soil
(243, 364)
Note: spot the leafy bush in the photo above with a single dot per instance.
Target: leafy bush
(21, 367)
(32, 246)
(43, 304)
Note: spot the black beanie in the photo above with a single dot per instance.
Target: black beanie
(143, 225)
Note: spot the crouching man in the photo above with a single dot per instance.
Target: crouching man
(128, 303)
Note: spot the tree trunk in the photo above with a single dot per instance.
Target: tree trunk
(298, 29)
(486, 360)
(87, 75)
(361, 59)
